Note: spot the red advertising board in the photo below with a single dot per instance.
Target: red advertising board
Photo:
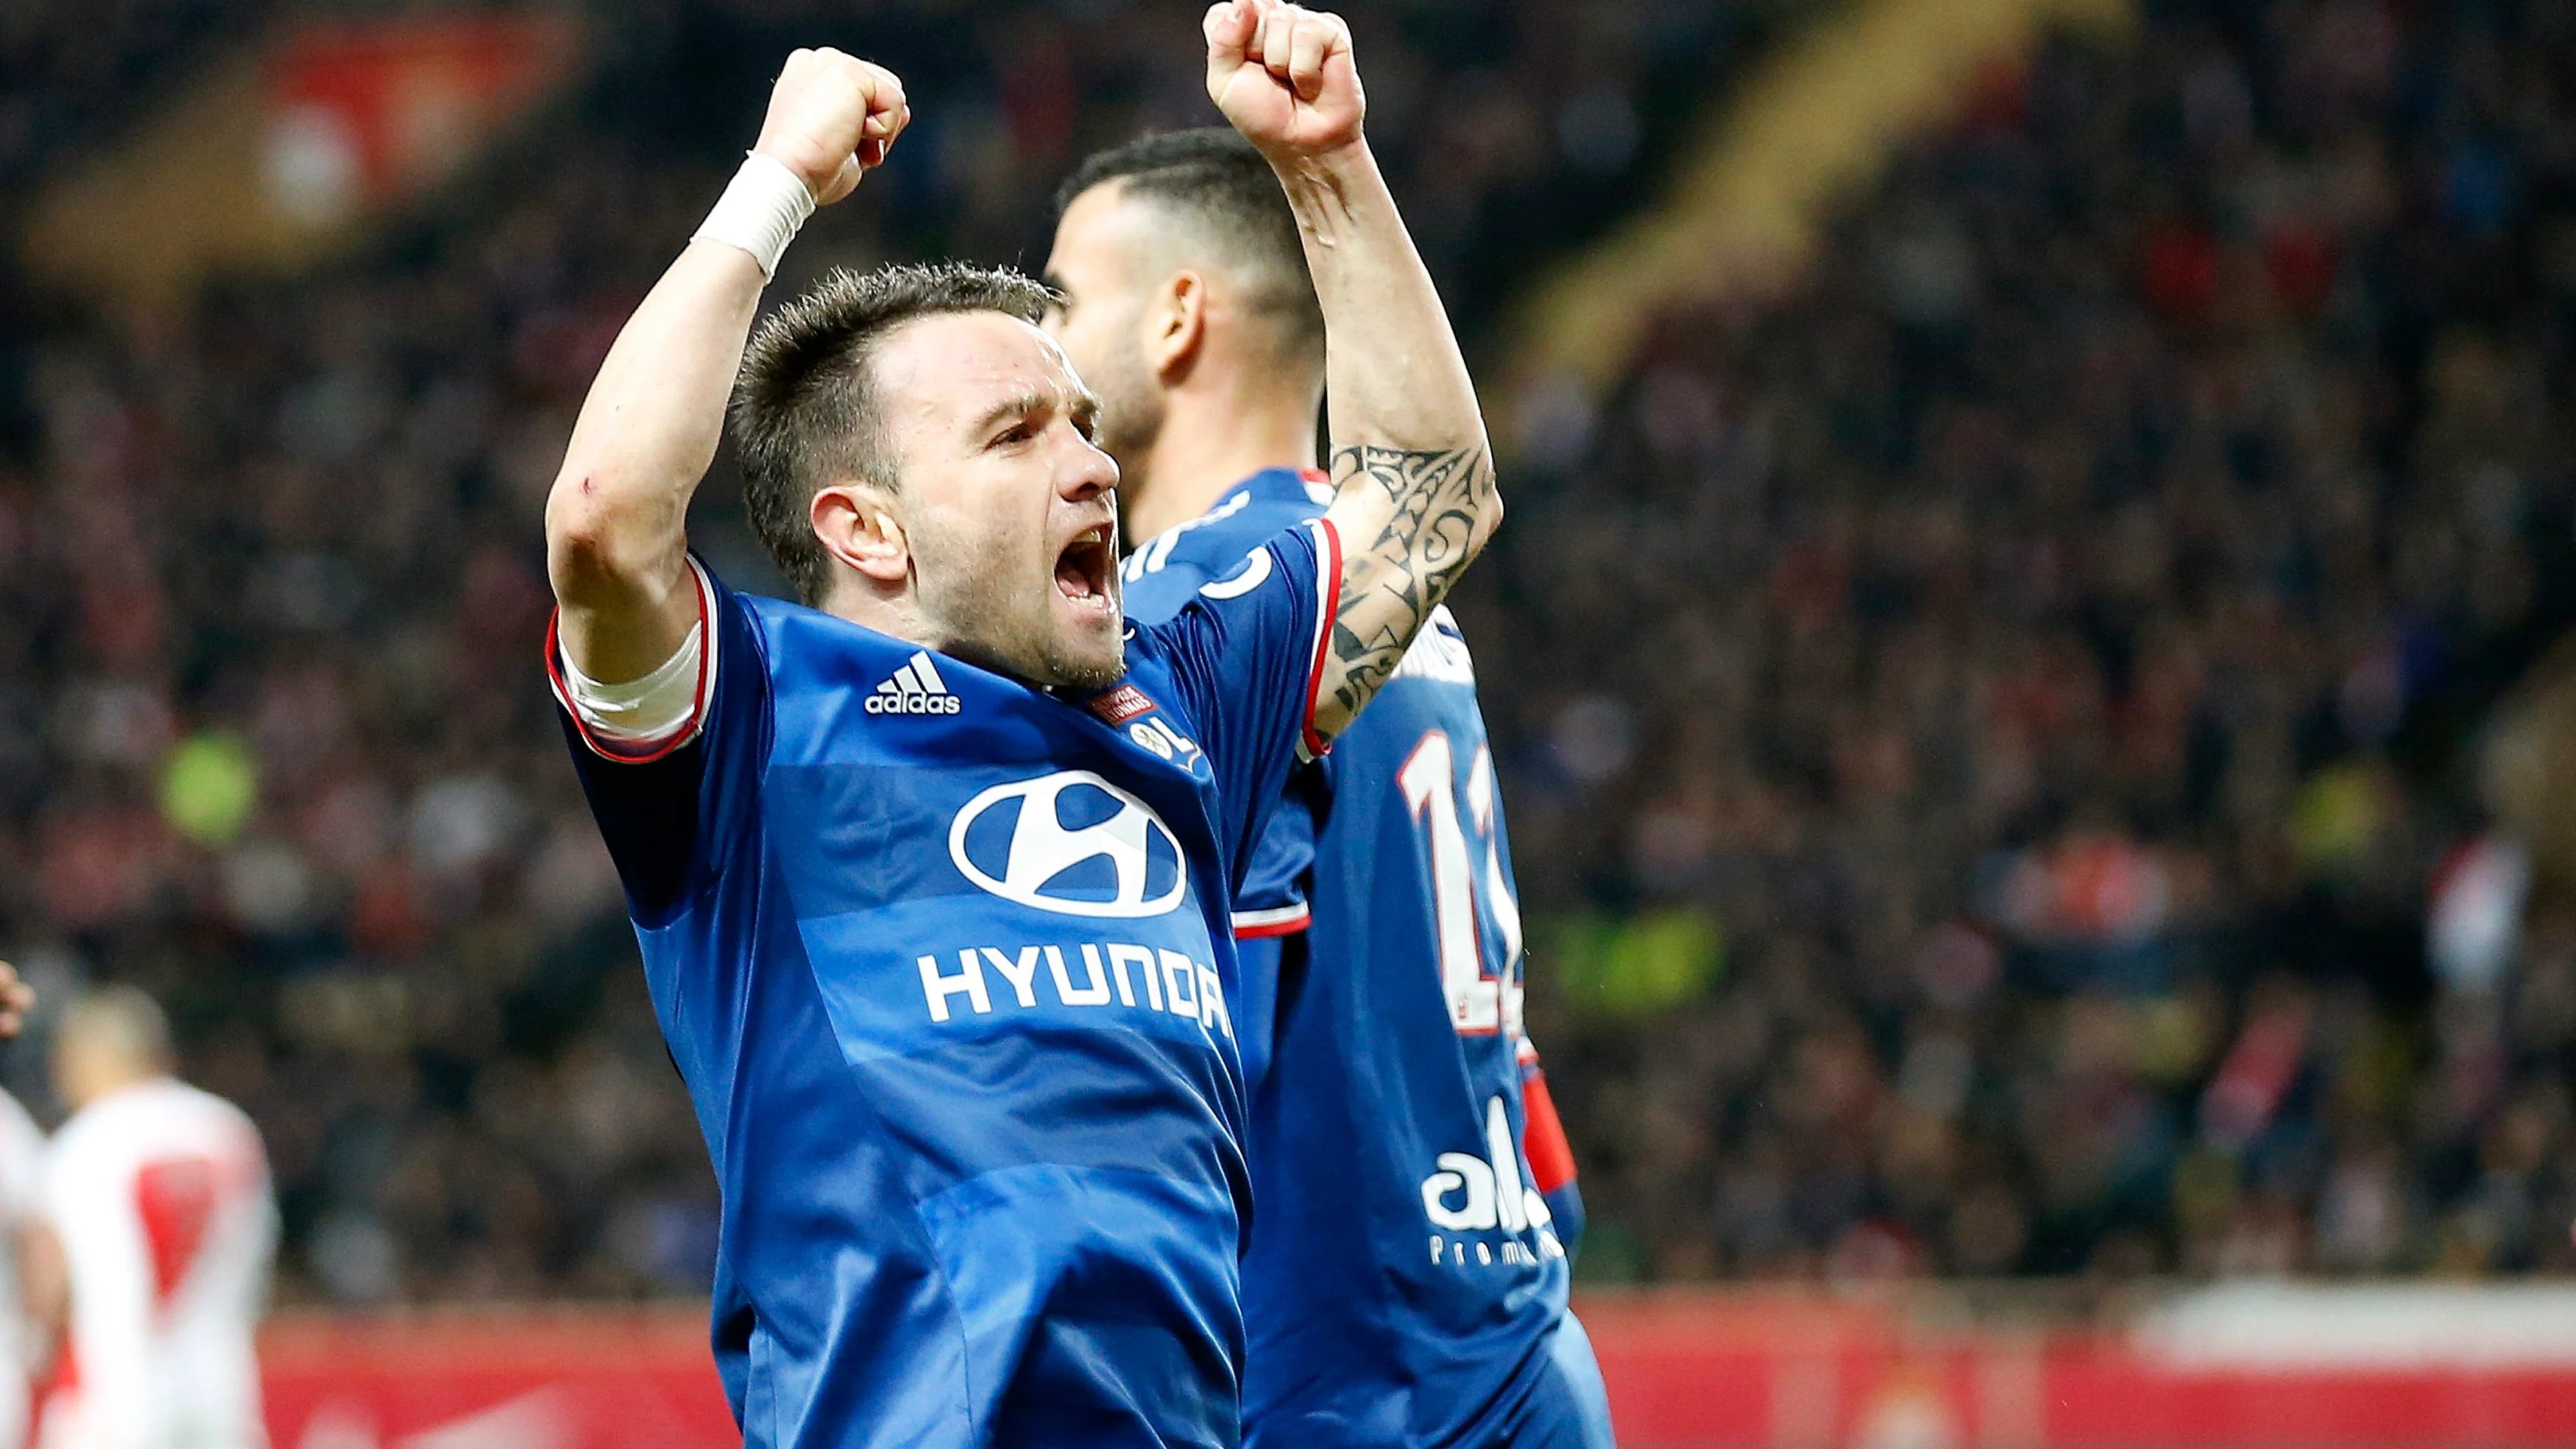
(2228, 1369)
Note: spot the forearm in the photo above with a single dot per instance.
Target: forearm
(1409, 455)
(615, 522)
(1393, 372)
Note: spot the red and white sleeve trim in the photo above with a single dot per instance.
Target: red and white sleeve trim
(1277, 921)
(1543, 1140)
(642, 752)
(1328, 593)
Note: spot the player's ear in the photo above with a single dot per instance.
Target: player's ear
(1175, 326)
(860, 527)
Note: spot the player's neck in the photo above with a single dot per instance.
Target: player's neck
(102, 1081)
(1200, 453)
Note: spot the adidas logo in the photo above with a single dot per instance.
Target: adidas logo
(915, 689)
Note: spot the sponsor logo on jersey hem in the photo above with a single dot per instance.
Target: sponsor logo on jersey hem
(1481, 1194)
(916, 688)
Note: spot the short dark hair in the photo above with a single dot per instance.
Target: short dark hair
(805, 411)
(1215, 177)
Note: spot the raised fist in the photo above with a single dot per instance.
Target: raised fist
(1283, 75)
(832, 118)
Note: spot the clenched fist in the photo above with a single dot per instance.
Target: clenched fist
(832, 118)
(1283, 75)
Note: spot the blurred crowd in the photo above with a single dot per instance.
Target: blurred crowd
(2026, 681)
(69, 72)
(274, 740)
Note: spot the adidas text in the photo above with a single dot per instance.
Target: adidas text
(915, 689)
(913, 704)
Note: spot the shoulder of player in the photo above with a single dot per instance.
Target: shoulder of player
(79, 1140)
(801, 645)
(1251, 528)
(1150, 685)
(1214, 547)
(141, 1114)
(1150, 651)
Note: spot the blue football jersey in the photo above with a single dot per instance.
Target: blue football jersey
(945, 961)
(1403, 1279)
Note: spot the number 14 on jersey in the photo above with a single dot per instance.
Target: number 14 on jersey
(1470, 893)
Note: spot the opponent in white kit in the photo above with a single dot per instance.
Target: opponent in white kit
(160, 1195)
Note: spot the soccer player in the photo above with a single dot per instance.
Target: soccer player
(932, 871)
(30, 1268)
(160, 1196)
(1404, 1284)
(30, 1258)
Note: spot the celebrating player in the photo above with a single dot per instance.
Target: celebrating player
(160, 1195)
(932, 873)
(1403, 1285)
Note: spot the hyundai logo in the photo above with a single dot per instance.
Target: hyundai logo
(1072, 843)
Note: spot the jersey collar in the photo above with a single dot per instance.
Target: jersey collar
(1283, 485)
(1293, 487)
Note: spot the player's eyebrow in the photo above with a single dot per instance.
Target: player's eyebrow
(1080, 403)
(1018, 404)
(1055, 284)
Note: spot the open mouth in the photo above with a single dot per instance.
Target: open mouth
(1082, 570)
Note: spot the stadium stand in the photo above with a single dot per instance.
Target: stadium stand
(73, 71)
(2025, 681)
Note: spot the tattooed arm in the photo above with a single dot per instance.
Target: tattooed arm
(1416, 493)
(1410, 519)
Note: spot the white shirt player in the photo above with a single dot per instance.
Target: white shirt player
(22, 1168)
(161, 1196)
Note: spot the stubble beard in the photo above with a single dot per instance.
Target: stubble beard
(1068, 668)
(988, 616)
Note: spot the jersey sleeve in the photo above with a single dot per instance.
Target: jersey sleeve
(1272, 899)
(670, 812)
(1247, 655)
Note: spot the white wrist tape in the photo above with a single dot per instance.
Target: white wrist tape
(760, 211)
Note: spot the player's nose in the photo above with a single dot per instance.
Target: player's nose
(1086, 473)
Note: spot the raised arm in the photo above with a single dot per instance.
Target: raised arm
(1415, 477)
(616, 546)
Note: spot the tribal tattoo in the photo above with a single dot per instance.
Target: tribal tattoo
(1391, 584)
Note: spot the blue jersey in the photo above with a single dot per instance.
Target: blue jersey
(1403, 1280)
(945, 961)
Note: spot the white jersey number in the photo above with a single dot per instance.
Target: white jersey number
(1479, 999)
